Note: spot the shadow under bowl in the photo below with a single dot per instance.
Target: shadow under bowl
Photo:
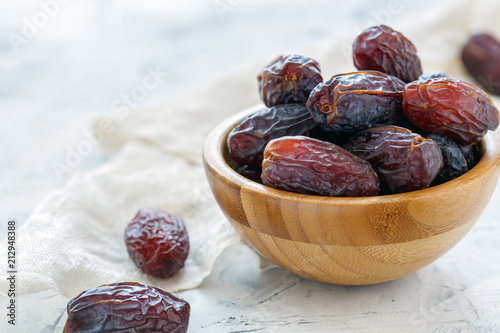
(349, 241)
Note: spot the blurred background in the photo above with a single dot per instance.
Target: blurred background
(63, 63)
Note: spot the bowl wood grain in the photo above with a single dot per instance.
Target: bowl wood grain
(349, 241)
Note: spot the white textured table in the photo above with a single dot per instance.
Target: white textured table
(78, 61)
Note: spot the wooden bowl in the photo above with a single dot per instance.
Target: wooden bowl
(350, 241)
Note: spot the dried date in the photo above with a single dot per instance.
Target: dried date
(309, 166)
(383, 49)
(481, 57)
(325, 133)
(471, 154)
(157, 242)
(452, 107)
(127, 307)
(354, 101)
(404, 161)
(250, 172)
(454, 163)
(246, 142)
(432, 75)
(288, 79)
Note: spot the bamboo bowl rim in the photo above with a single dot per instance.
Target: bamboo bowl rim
(349, 240)
(215, 155)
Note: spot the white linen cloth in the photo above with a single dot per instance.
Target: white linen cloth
(74, 240)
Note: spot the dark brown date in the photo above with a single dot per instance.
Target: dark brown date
(127, 307)
(471, 154)
(452, 107)
(432, 75)
(404, 161)
(157, 242)
(288, 79)
(383, 49)
(454, 163)
(325, 133)
(481, 57)
(246, 142)
(250, 172)
(354, 101)
(309, 166)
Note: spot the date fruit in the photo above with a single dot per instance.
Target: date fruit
(452, 107)
(383, 49)
(127, 307)
(354, 101)
(432, 75)
(309, 166)
(288, 79)
(472, 154)
(157, 242)
(404, 161)
(481, 57)
(454, 163)
(250, 172)
(246, 142)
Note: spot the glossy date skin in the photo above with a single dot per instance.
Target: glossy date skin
(481, 57)
(127, 307)
(249, 172)
(404, 161)
(157, 242)
(383, 49)
(288, 80)
(451, 107)
(246, 142)
(309, 166)
(454, 162)
(351, 102)
(471, 154)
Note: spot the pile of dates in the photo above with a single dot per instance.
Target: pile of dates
(158, 243)
(387, 128)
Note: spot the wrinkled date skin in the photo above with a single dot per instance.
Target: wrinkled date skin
(354, 101)
(452, 107)
(157, 242)
(288, 79)
(481, 57)
(127, 307)
(454, 163)
(383, 49)
(246, 142)
(309, 166)
(404, 161)
(471, 154)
